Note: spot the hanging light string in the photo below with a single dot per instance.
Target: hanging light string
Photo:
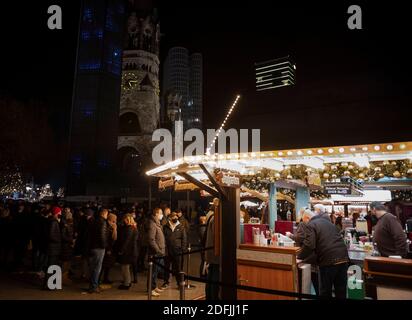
(222, 125)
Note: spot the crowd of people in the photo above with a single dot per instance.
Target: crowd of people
(47, 234)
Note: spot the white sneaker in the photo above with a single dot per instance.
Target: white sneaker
(155, 294)
(158, 290)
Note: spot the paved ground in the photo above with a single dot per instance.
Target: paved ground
(27, 286)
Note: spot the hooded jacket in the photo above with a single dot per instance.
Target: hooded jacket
(176, 240)
(155, 238)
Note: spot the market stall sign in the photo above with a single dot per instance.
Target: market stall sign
(337, 188)
(345, 186)
(185, 186)
(166, 183)
(228, 180)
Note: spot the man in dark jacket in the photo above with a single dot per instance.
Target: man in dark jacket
(388, 235)
(212, 260)
(324, 240)
(299, 237)
(183, 221)
(40, 240)
(98, 240)
(157, 247)
(54, 239)
(176, 244)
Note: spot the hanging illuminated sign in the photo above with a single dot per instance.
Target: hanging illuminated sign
(344, 186)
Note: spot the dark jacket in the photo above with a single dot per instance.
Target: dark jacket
(40, 229)
(185, 223)
(98, 234)
(155, 238)
(301, 230)
(67, 241)
(83, 228)
(176, 241)
(323, 239)
(5, 232)
(389, 236)
(127, 245)
(210, 256)
(299, 238)
(110, 256)
(54, 237)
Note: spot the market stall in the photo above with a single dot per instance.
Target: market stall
(304, 172)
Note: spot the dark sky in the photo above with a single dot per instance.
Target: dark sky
(353, 86)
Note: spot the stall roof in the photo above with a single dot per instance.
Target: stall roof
(246, 163)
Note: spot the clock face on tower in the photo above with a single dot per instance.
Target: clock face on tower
(129, 81)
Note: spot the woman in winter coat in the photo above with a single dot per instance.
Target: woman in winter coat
(109, 256)
(127, 249)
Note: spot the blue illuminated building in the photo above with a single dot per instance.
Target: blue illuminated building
(96, 96)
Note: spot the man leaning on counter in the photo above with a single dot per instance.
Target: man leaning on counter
(388, 233)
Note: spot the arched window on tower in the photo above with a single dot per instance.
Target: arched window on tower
(129, 124)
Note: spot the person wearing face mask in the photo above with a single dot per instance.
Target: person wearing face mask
(54, 239)
(176, 244)
(157, 247)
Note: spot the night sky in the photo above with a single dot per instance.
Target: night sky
(353, 86)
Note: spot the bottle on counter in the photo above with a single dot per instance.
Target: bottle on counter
(289, 216)
(274, 239)
(348, 239)
(263, 241)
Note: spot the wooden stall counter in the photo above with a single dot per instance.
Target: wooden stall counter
(388, 278)
(268, 267)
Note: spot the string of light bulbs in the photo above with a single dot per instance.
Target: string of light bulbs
(222, 125)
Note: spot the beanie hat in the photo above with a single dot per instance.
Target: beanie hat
(56, 211)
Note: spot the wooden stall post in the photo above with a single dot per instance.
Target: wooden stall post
(229, 237)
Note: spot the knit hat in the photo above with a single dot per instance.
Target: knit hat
(56, 211)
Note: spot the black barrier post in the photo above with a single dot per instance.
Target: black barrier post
(182, 285)
(149, 279)
(188, 285)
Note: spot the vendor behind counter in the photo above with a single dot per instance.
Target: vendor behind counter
(388, 233)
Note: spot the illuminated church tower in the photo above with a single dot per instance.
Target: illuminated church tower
(139, 101)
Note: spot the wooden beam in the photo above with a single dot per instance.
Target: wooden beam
(198, 183)
(213, 181)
